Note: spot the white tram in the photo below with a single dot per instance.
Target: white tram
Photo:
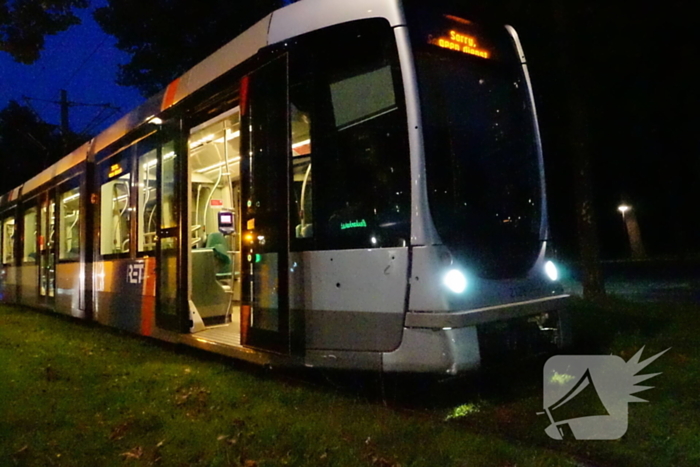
(344, 185)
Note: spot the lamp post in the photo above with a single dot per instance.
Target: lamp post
(632, 228)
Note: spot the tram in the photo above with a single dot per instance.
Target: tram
(354, 185)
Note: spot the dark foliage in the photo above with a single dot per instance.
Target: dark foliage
(28, 145)
(167, 37)
(24, 24)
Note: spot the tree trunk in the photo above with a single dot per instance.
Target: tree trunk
(570, 59)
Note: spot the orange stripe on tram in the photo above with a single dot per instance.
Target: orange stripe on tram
(148, 298)
(169, 97)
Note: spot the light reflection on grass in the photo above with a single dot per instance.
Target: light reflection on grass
(463, 410)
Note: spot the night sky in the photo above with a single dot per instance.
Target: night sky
(82, 60)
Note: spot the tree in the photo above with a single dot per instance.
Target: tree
(165, 38)
(24, 24)
(28, 145)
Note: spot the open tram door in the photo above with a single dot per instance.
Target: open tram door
(159, 174)
(265, 312)
(214, 212)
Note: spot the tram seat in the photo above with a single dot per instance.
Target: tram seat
(217, 243)
(208, 295)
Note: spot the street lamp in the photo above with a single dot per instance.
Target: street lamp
(623, 208)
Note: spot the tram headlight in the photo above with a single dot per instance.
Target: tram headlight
(551, 270)
(455, 280)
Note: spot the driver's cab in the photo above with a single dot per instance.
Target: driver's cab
(215, 206)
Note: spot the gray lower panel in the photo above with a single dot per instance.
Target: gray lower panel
(343, 360)
(353, 330)
(448, 351)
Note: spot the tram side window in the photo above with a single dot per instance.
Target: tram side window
(30, 235)
(147, 194)
(302, 201)
(115, 206)
(69, 223)
(360, 153)
(8, 240)
(147, 202)
(169, 212)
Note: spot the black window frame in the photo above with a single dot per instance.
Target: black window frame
(7, 214)
(102, 169)
(308, 69)
(26, 205)
(72, 183)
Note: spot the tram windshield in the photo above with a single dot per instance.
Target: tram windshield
(481, 145)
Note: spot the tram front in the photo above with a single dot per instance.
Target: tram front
(481, 281)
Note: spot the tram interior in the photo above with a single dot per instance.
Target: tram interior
(8, 238)
(115, 195)
(69, 224)
(215, 200)
(215, 220)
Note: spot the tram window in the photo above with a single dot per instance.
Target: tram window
(375, 87)
(302, 212)
(147, 202)
(8, 240)
(69, 223)
(30, 235)
(48, 225)
(168, 207)
(360, 153)
(147, 195)
(115, 210)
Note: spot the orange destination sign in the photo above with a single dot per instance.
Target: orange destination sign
(115, 170)
(460, 42)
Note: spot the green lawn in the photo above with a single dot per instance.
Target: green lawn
(78, 394)
(663, 432)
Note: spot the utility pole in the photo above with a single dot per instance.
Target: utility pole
(65, 106)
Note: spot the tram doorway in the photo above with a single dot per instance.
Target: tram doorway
(214, 212)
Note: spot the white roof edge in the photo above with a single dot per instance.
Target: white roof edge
(309, 15)
(63, 165)
(227, 57)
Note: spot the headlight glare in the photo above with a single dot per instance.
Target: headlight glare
(455, 281)
(551, 270)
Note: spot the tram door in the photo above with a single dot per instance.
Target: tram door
(265, 317)
(47, 250)
(214, 208)
(167, 235)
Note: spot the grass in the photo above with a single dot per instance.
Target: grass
(75, 394)
(663, 432)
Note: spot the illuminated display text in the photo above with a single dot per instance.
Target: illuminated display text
(115, 170)
(461, 43)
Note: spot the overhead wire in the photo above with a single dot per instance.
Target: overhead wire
(99, 118)
(85, 60)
